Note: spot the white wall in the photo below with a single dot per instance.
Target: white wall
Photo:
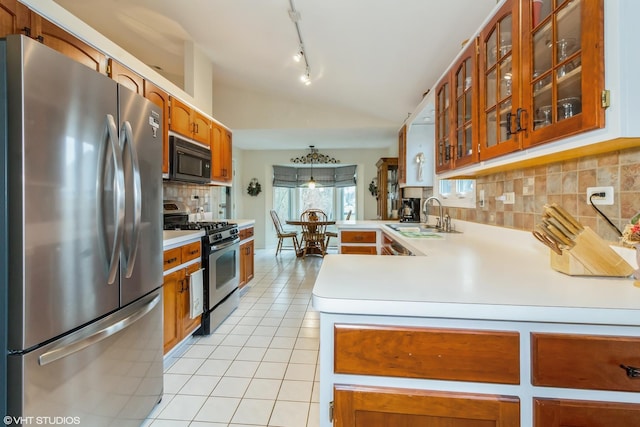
(198, 76)
(258, 164)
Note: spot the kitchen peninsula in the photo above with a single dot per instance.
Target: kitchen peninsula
(477, 325)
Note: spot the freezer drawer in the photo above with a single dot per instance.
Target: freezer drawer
(106, 374)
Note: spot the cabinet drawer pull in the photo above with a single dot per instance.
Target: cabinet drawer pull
(171, 260)
(632, 372)
(193, 252)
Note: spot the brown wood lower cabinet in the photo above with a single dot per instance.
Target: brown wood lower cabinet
(178, 323)
(246, 255)
(246, 263)
(429, 353)
(358, 242)
(578, 413)
(361, 406)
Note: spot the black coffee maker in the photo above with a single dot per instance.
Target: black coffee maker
(410, 210)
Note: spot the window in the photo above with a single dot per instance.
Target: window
(457, 192)
(335, 193)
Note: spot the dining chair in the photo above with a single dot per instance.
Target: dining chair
(313, 235)
(282, 234)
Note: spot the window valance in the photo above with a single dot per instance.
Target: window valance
(299, 176)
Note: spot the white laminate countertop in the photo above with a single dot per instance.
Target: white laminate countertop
(486, 272)
(173, 238)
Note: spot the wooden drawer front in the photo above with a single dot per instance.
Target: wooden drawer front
(172, 258)
(358, 237)
(190, 251)
(445, 354)
(367, 250)
(580, 413)
(366, 406)
(245, 233)
(584, 361)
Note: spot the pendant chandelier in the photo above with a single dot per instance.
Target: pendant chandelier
(312, 182)
(314, 157)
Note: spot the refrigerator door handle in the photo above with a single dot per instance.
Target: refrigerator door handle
(118, 182)
(126, 140)
(104, 333)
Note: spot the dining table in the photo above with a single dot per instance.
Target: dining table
(314, 249)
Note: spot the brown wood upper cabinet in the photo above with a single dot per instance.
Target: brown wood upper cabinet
(189, 122)
(562, 68)
(58, 39)
(456, 112)
(161, 98)
(541, 73)
(534, 75)
(125, 76)
(221, 149)
(14, 18)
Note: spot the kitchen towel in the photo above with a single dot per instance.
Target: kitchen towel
(195, 290)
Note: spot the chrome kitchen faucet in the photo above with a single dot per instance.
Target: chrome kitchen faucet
(425, 209)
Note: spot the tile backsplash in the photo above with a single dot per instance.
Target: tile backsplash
(564, 183)
(209, 198)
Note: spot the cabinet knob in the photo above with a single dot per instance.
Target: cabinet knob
(632, 372)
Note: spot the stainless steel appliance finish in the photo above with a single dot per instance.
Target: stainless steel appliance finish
(188, 161)
(83, 171)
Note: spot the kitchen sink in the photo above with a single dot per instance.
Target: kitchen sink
(419, 228)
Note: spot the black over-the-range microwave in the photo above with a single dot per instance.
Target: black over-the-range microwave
(188, 161)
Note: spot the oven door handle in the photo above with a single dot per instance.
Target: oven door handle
(223, 245)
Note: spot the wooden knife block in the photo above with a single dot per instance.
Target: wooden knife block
(591, 256)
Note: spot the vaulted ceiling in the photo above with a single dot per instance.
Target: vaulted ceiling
(370, 61)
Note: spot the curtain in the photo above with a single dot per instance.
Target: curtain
(299, 176)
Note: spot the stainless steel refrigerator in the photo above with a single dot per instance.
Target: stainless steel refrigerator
(81, 192)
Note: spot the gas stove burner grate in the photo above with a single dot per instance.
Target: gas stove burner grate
(206, 226)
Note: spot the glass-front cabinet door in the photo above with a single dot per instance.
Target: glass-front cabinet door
(500, 114)
(443, 122)
(563, 67)
(465, 92)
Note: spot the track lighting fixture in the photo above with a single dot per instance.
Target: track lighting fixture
(301, 55)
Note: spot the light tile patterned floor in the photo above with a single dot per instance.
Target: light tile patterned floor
(260, 367)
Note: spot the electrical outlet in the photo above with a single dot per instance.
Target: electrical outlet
(509, 198)
(194, 197)
(606, 200)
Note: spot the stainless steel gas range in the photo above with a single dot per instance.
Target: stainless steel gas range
(220, 260)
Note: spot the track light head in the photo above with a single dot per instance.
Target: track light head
(298, 56)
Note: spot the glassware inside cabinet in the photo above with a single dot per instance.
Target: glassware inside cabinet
(556, 67)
